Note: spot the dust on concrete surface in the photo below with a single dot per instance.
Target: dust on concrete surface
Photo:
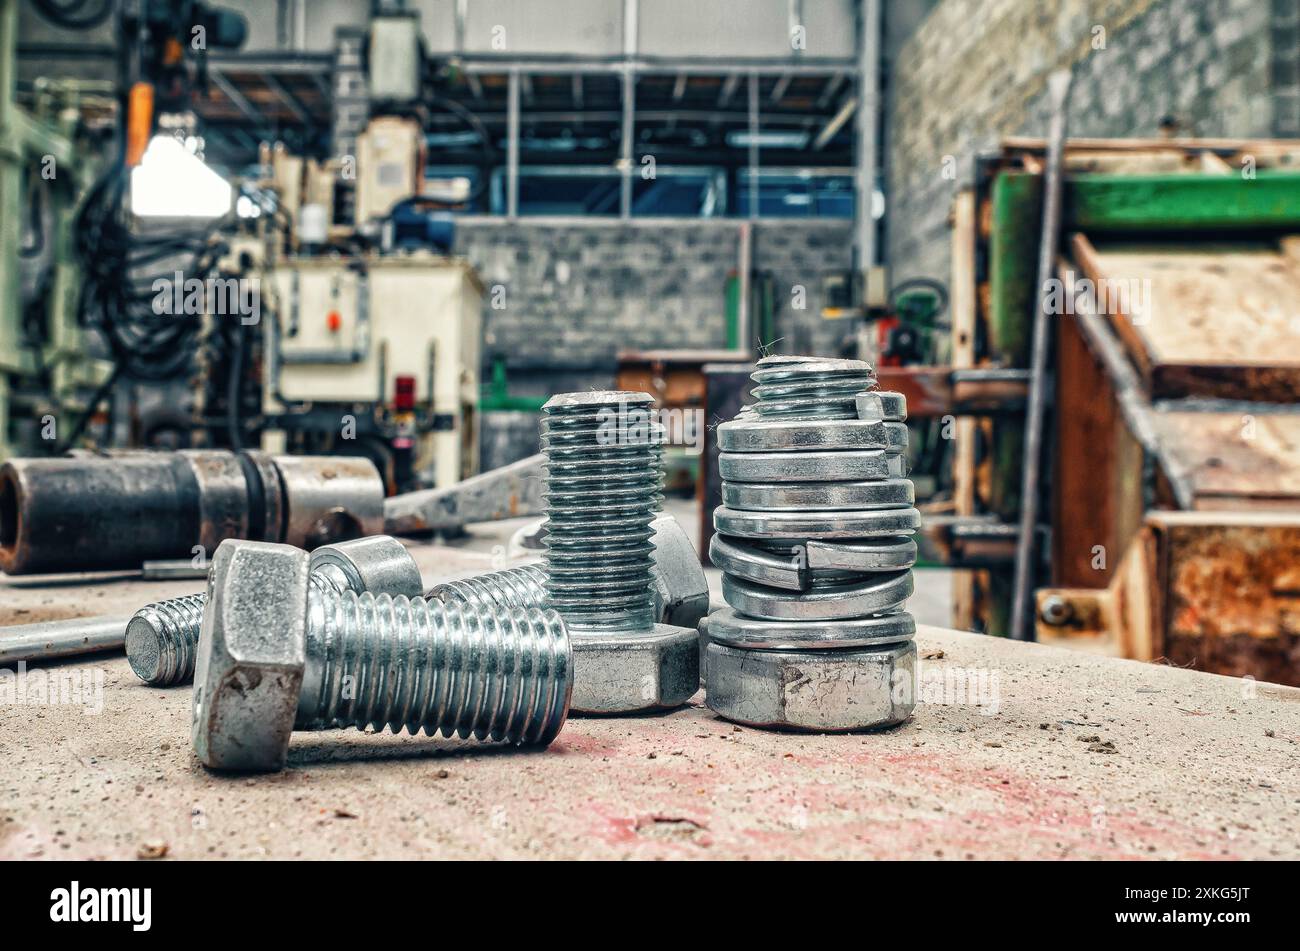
(997, 762)
(1193, 774)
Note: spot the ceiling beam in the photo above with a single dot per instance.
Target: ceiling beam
(832, 87)
(728, 89)
(835, 124)
(235, 96)
(782, 84)
(289, 101)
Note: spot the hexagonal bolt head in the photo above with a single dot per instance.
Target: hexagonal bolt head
(680, 588)
(813, 691)
(626, 673)
(252, 652)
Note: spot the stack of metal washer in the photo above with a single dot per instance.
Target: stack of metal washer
(813, 541)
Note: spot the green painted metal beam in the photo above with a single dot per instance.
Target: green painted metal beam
(1017, 206)
(1127, 203)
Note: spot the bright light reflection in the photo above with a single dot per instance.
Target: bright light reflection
(173, 182)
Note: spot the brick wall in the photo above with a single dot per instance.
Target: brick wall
(572, 294)
(976, 71)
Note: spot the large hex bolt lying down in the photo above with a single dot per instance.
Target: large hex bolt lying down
(161, 638)
(603, 490)
(680, 589)
(283, 650)
(118, 510)
(812, 539)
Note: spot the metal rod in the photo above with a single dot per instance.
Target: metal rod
(512, 146)
(744, 265)
(46, 640)
(753, 145)
(1058, 86)
(625, 146)
(868, 124)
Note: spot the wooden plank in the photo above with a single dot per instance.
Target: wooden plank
(1215, 322)
(1083, 485)
(1136, 599)
(962, 303)
(1234, 459)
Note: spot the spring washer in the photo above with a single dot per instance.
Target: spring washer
(822, 602)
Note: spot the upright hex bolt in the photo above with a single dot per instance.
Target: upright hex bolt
(281, 650)
(162, 637)
(680, 588)
(603, 491)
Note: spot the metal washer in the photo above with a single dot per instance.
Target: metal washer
(846, 465)
(779, 526)
(754, 434)
(871, 495)
(854, 599)
(746, 633)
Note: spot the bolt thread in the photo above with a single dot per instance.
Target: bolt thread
(604, 481)
(416, 664)
(162, 639)
(816, 389)
(510, 588)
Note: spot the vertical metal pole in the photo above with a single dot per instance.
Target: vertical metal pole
(462, 11)
(512, 146)
(744, 268)
(631, 16)
(1022, 608)
(753, 144)
(625, 146)
(11, 217)
(868, 122)
(631, 21)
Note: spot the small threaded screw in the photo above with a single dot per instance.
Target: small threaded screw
(521, 587)
(603, 489)
(162, 638)
(415, 664)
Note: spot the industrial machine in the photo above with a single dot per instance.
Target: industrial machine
(380, 349)
(46, 372)
(355, 333)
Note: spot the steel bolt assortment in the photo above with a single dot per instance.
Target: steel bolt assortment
(813, 541)
(812, 538)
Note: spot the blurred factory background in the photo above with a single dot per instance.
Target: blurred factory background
(428, 216)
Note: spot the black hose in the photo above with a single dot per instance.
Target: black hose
(233, 391)
(95, 400)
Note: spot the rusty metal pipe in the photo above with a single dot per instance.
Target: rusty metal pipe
(118, 510)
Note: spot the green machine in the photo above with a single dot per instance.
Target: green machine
(44, 367)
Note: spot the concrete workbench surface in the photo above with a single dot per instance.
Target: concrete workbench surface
(1015, 751)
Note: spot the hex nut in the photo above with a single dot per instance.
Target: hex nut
(251, 656)
(681, 589)
(622, 672)
(821, 692)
